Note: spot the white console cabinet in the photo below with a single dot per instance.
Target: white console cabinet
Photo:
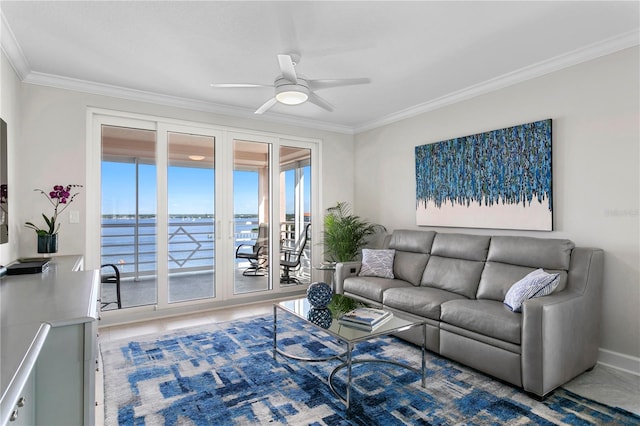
(48, 345)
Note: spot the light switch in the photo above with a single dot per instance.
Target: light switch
(74, 216)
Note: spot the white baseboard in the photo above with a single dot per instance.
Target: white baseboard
(626, 363)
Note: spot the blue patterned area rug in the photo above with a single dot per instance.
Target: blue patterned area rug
(225, 374)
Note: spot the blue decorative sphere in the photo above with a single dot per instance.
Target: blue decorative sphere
(320, 316)
(319, 294)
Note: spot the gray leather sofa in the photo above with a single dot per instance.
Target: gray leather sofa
(457, 284)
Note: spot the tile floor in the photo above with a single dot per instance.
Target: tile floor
(603, 384)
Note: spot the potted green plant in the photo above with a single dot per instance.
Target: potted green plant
(345, 233)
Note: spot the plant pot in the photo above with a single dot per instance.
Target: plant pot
(48, 243)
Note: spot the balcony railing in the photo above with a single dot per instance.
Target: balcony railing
(131, 244)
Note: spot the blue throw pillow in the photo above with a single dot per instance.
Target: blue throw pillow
(536, 284)
(377, 263)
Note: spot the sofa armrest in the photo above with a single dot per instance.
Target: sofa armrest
(344, 270)
(561, 332)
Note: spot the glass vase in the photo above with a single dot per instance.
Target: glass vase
(48, 243)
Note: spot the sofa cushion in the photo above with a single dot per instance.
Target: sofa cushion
(457, 275)
(412, 241)
(497, 278)
(422, 301)
(487, 317)
(536, 284)
(456, 263)
(377, 263)
(409, 266)
(547, 253)
(371, 287)
(412, 253)
(461, 246)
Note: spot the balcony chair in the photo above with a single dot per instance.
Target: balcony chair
(111, 277)
(292, 258)
(258, 256)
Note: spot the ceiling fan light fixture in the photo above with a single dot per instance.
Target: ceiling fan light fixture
(292, 97)
(196, 157)
(292, 88)
(292, 94)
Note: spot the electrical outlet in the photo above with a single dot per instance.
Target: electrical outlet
(74, 216)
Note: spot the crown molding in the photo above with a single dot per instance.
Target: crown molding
(12, 49)
(587, 53)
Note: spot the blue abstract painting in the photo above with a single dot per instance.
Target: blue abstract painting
(497, 179)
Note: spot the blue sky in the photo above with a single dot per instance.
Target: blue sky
(190, 190)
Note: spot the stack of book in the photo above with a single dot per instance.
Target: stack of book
(365, 318)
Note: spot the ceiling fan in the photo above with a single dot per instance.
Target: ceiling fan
(294, 89)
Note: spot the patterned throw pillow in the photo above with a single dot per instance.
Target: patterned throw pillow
(377, 263)
(536, 284)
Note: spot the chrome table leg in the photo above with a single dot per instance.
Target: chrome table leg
(275, 330)
(349, 364)
(424, 349)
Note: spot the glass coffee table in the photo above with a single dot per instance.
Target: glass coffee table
(348, 336)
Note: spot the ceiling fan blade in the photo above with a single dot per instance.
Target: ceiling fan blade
(315, 99)
(287, 27)
(287, 68)
(327, 83)
(236, 85)
(271, 102)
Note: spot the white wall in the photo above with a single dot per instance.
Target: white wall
(52, 150)
(596, 183)
(9, 111)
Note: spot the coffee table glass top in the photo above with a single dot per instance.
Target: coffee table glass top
(301, 307)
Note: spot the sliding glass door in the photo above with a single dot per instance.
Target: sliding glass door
(128, 217)
(193, 214)
(130, 229)
(190, 205)
(251, 213)
(295, 215)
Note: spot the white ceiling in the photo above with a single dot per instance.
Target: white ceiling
(419, 55)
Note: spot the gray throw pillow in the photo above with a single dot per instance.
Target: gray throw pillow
(377, 263)
(536, 284)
